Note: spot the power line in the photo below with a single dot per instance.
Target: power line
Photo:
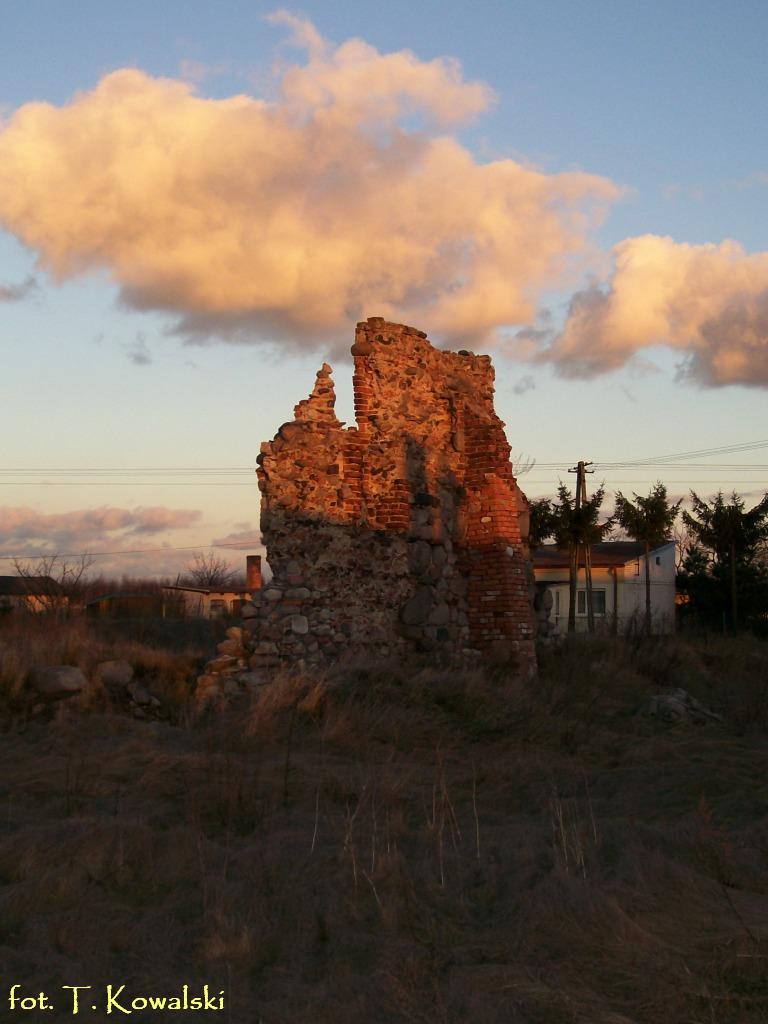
(658, 460)
(120, 483)
(237, 546)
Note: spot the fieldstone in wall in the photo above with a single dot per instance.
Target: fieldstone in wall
(400, 533)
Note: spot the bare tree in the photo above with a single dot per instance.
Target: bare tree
(684, 542)
(209, 570)
(523, 464)
(53, 584)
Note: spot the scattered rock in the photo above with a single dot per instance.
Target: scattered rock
(115, 675)
(139, 693)
(55, 681)
(679, 706)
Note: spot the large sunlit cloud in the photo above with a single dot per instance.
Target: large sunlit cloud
(709, 302)
(341, 193)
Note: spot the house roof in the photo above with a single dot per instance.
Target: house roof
(210, 590)
(604, 555)
(26, 586)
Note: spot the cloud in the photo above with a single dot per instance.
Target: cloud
(340, 195)
(246, 539)
(87, 529)
(122, 540)
(709, 302)
(17, 292)
(197, 71)
(526, 383)
(138, 352)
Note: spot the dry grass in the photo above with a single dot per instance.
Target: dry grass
(407, 845)
(166, 655)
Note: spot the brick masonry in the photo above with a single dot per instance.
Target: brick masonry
(401, 533)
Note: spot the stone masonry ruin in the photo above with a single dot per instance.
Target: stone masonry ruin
(399, 534)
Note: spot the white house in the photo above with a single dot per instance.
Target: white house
(618, 586)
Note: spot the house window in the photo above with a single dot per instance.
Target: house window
(658, 559)
(218, 607)
(598, 602)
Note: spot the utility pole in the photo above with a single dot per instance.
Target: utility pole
(581, 470)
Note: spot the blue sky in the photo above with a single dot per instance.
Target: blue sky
(663, 104)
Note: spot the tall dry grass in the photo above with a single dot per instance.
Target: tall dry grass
(165, 654)
(392, 843)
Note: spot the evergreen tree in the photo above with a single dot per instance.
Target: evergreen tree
(733, 536)
(541, 521)
(648, 520)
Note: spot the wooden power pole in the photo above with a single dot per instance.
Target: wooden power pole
(581, 470)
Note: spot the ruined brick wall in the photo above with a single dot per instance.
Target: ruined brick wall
(401, 533)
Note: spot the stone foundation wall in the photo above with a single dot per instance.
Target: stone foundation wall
(401, 533)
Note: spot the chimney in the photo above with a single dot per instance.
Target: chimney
(253, 572)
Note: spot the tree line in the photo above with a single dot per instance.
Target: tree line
(723, 576)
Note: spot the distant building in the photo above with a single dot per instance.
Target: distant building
(618, 586)
(212, 602)
(31, 593)
(203, 602)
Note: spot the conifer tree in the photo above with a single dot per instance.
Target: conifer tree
(648, 520)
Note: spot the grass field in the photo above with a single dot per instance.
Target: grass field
(385, 843)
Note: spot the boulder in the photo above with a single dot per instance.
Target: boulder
(113, 674)
(140, 694)
(55, 681)
(679, 706)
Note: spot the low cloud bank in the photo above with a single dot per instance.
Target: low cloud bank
(26, 530)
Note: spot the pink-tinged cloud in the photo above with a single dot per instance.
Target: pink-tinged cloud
(709, 302)
(340, 196)
(88, 529)
(248, 539)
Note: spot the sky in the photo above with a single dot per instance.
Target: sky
(198, 200)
